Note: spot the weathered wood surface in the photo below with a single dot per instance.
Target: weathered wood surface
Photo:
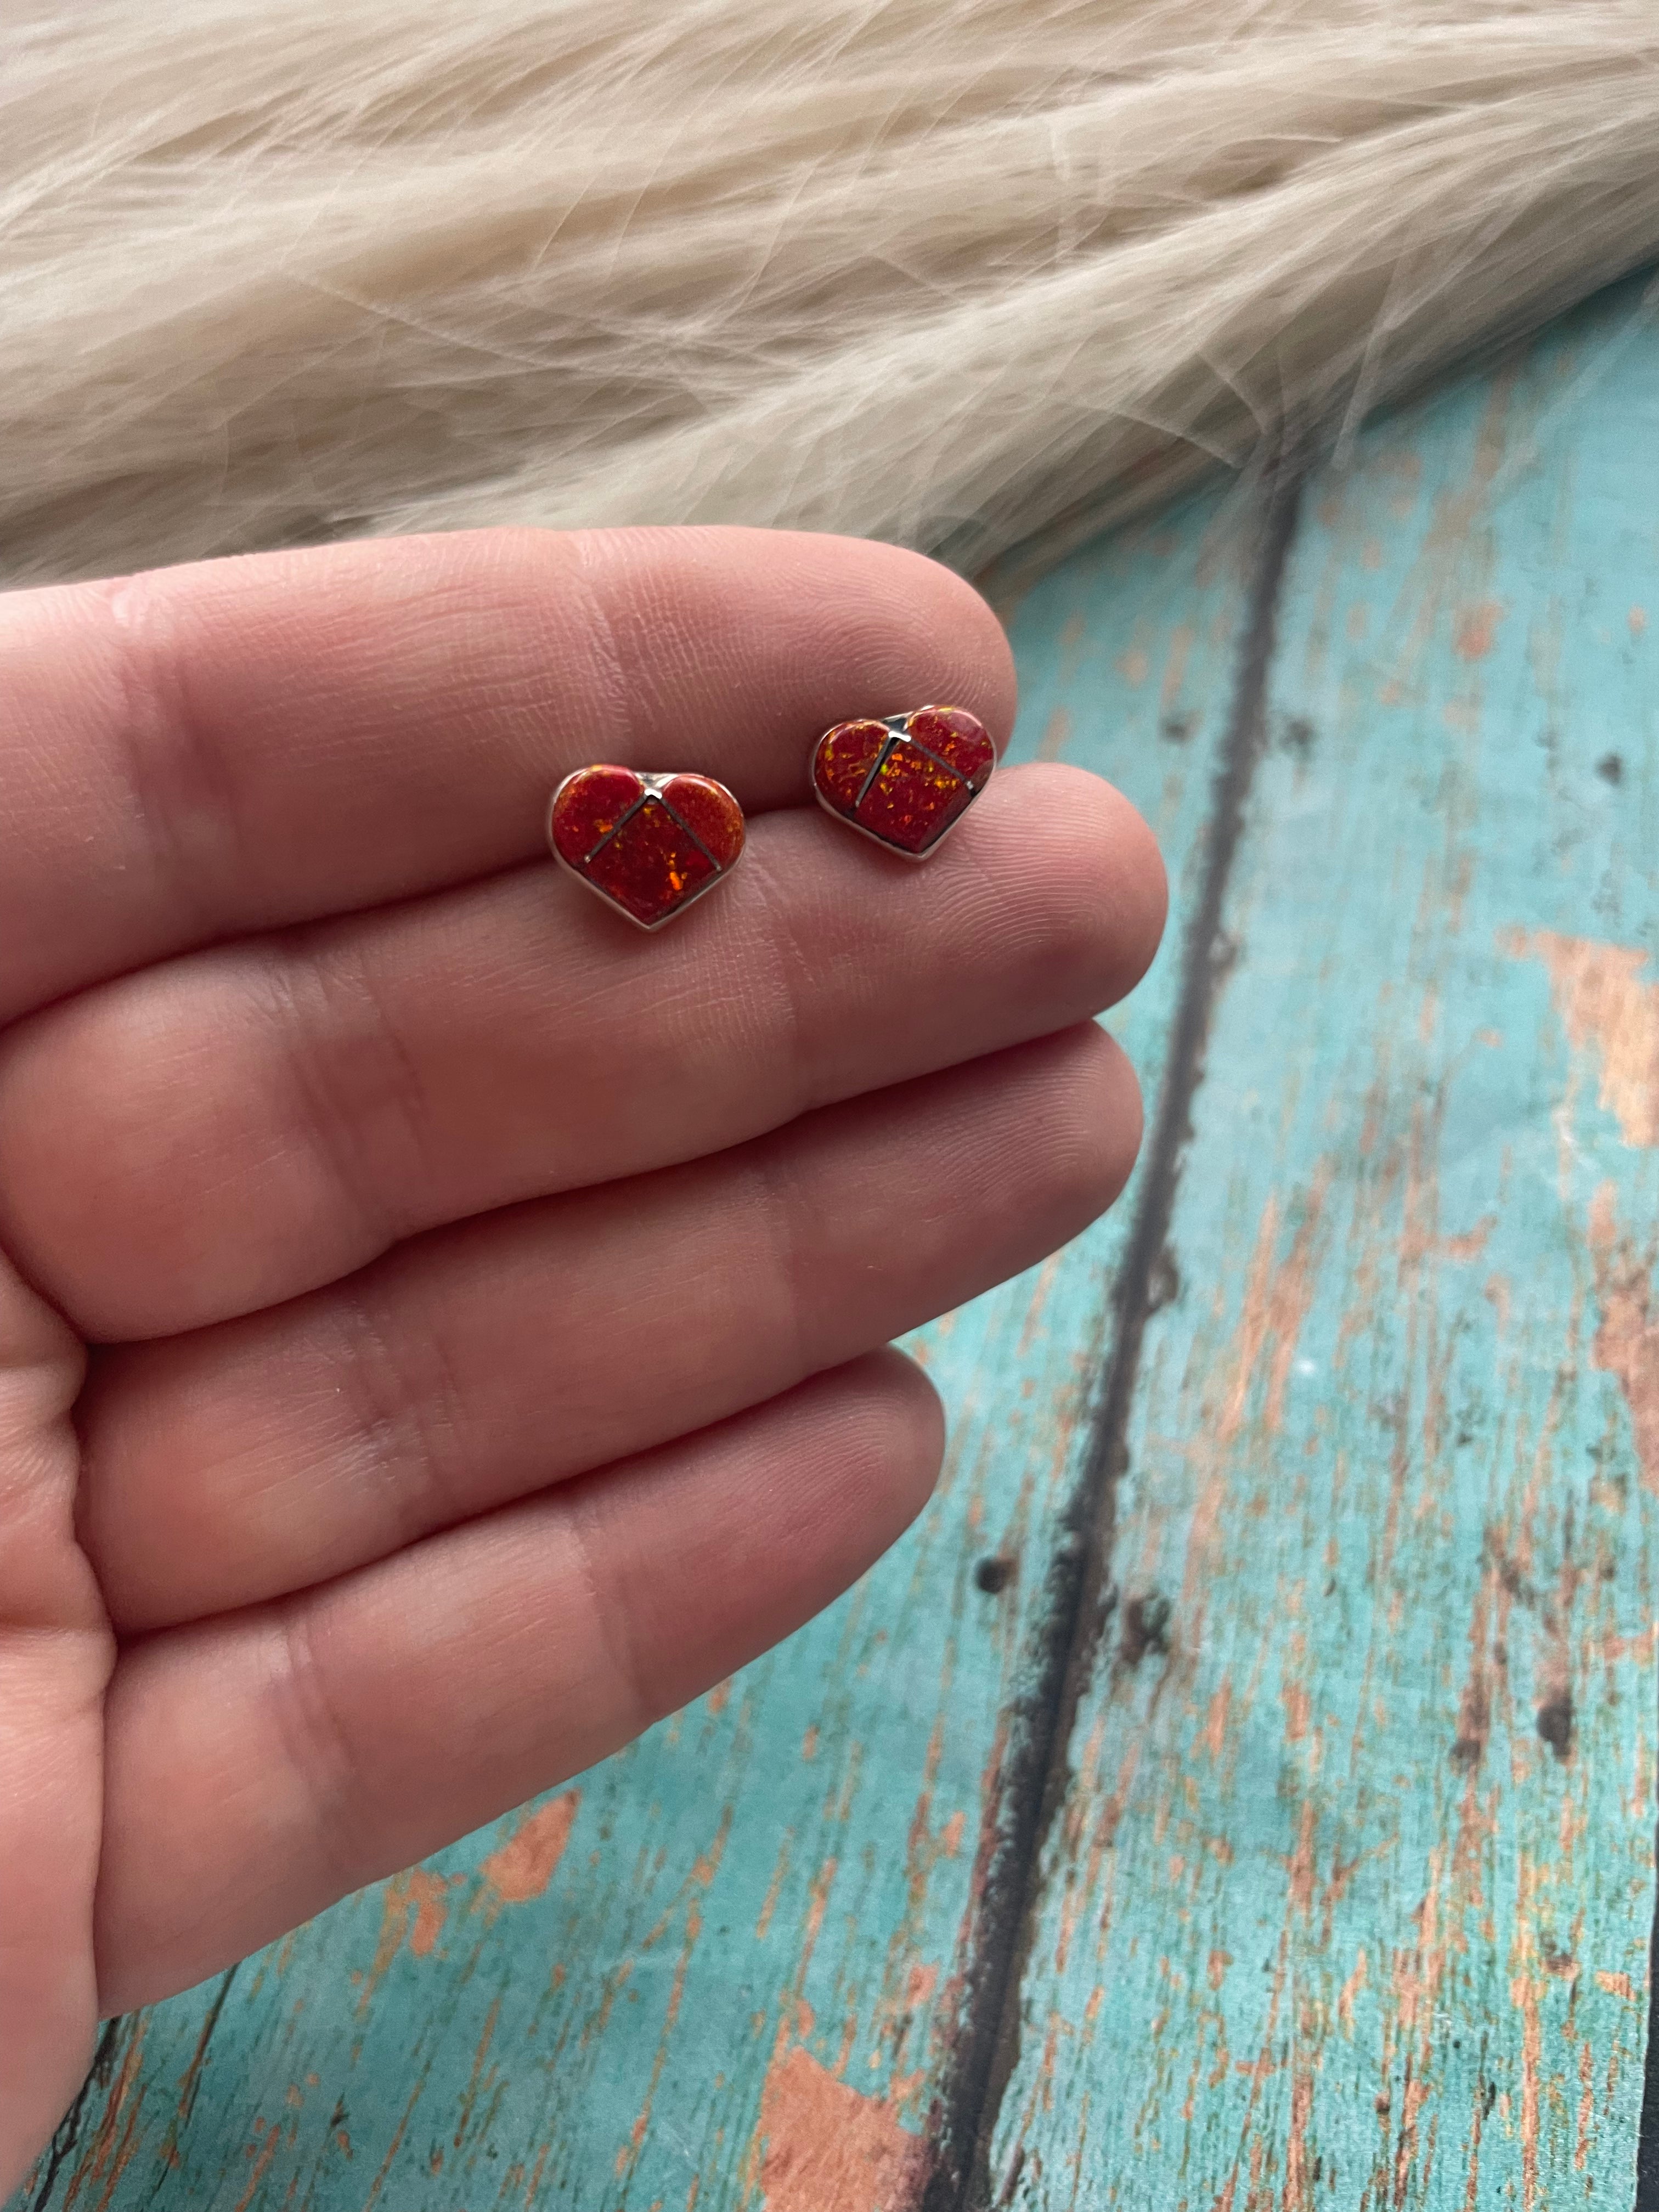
(1277, 1832)
(1350, 1899)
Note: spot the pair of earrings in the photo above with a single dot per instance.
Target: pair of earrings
(652, 845)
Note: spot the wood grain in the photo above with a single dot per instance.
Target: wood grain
(1349, 1899)
(1237, 1793)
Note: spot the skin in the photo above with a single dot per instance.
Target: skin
(441, 1330)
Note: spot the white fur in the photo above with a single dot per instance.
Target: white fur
(950, 271)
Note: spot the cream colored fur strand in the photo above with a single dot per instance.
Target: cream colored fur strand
(941, 271)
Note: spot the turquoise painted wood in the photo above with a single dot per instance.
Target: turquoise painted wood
(1350, 1898)
(1347, 1894)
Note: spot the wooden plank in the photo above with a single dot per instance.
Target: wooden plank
(1349, 1900)
(730, 1965)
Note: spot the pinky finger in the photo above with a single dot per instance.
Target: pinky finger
(263, 1763)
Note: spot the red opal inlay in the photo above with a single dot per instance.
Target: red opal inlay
(905, 782)
(710, 813)
(649, 845)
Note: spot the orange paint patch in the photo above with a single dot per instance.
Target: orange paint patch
(1277, 1300)
(429, 1904)
(1214, 1736)
(1524, 1991)
(1056, 736)
(1300, 1866)
(824, 2146)
(1586, 2106)
(1627, 1341)
(1606, 1011)
(919, 1985)
(1616, 1985)
(528, 1860)
(1298, 1708)
(1182, 640)
(414, 1906)
(1351, 1990)
(1477, 626)
(1298, 2182)
(1472, 1242)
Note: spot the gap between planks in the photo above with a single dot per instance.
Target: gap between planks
(1081, 1597)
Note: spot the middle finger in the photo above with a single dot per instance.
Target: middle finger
(230, 1129)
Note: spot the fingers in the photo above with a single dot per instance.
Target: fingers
(470, 1368)
(208, 751)
(262, 1765)
(232, 1130)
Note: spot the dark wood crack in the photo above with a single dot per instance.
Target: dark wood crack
(1079, 1598)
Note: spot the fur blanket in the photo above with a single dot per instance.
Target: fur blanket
(947, 272)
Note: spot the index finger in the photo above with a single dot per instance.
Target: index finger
(206, 751)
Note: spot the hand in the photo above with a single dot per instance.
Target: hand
(485, 1302)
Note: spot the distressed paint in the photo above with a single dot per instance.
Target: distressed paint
(823, 2142)
(1606, 1004)
(726, 1969)
(1349, 1900)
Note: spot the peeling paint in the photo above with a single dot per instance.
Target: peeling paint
(525, 1864)
(1608, 1010)
(1626, 1343)
(824, 2145)
(1476, 628)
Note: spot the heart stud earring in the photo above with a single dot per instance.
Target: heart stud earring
(649, 845)
(905, 781)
